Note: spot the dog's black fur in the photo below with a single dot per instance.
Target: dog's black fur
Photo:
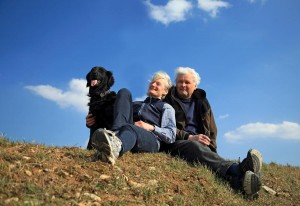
(101, 98)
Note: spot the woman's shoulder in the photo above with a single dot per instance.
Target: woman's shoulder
(167, 106)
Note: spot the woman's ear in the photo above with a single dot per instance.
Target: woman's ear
(165, 93)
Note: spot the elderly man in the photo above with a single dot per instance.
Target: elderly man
(196, 135)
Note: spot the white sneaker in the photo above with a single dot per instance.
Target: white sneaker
(107, 144)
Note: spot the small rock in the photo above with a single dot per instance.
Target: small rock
(104, 177)
(12, 199)
(64, 173)
(87, 176)
(26, 158)
(153, 183)
(28, 173)
(11, 166)
(92, 196)
(283, 194)
(152, 168)
(46, 170)
(269, 190)
(125, 177)
(135, 184)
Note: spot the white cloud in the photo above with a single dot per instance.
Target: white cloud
(212, 6)
(285, 130)
(254, 1)
(173, 11)
(140, 98)
(75, 96)
(224, 116)
(178, 10)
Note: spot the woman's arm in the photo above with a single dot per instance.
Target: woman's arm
(90, 120)
(167, 130)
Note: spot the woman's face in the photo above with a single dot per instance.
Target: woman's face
(185, 85)
(157, 88)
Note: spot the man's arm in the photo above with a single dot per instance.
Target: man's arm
(210, 129)
(213, 132)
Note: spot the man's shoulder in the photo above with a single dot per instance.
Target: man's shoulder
(200, 93)
(170, 95)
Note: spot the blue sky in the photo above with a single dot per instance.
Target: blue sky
(246, 52)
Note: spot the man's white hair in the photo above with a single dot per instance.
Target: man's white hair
(186, 70)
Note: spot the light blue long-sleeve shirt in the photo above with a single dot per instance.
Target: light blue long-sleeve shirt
(167, 130)
(160, 114)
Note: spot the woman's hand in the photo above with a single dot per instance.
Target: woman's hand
(144, 125)
(90, 120)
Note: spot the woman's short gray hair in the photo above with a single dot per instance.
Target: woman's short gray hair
(186, 70)
(162, 75)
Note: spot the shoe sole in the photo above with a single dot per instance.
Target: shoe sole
(257, 157)
(254, 162)
(251, 183)
(101, 142)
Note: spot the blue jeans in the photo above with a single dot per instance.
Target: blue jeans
(133, 138)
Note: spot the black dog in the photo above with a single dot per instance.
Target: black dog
(99, 81)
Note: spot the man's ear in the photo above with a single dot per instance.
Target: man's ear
(195, 87)
(110, 78)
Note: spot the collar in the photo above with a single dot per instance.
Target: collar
(151, 99)
(104, 93)
(198, 93)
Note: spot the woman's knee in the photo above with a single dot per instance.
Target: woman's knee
(129, 128)
(124, 92)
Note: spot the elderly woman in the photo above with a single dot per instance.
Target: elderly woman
(138, 126)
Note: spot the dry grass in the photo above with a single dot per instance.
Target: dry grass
(32, 174)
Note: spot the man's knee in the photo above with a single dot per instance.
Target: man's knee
(199, 146)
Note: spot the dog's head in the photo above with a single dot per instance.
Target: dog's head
(99, 80)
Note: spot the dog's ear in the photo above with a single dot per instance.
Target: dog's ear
(110, 78)
(88, 81)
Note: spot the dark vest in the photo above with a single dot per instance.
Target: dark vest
(150, 111)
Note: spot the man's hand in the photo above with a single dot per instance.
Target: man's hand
(90, 120)
(144, 125)
(200, 138)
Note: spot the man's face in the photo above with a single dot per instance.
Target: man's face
(185, 85)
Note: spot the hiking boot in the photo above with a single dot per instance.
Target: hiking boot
(107, 144)
(251, 183)
(252, 162)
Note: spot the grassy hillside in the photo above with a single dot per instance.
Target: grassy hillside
(32, 174)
